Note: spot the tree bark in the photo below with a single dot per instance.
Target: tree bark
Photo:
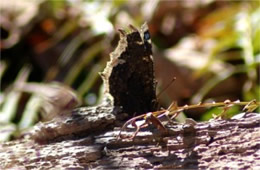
(220, 144)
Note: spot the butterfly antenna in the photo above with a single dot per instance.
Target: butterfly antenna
(166, 87)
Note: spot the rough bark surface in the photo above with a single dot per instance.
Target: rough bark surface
(224, 144)
(87, 137)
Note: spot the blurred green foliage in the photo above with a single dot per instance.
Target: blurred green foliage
(236, 29)
(216, 111)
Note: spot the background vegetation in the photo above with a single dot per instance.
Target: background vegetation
(211, 47)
